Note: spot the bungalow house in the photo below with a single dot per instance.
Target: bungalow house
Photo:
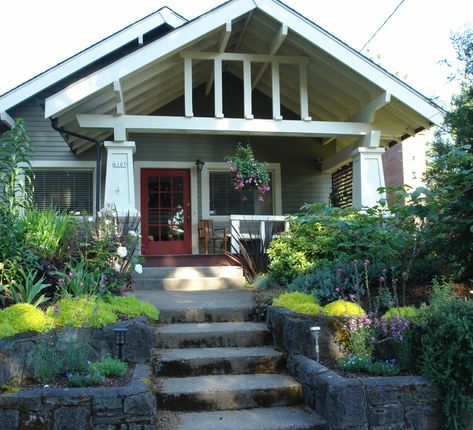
(144, 119)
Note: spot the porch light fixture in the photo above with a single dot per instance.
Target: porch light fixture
(120, 340)
(200, 165)
(314, 331)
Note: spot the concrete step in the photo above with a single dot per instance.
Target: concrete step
(189, 278)
(201, 306)
(225, 392)
(277, 418)
(211, 335)
(216, 361)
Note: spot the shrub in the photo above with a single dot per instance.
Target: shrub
(298, 302)
(81, 312)
(332, 281)
(342, 308)
(130, 306)
(47, 361)
(445, 350)
(407, 312)
(23, 317)
(110, 367)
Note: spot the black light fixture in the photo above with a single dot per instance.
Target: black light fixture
(120, 340)
(200, 164)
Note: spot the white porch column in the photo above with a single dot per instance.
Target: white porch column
(368, 176)
(119, 179)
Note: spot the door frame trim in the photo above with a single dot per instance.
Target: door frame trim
(188, 165)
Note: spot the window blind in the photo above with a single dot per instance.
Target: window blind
(70, 191)
(225, 200)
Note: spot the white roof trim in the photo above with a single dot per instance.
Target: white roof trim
(82, 59)
(351, 58)
(7, 119)
(158, 49)
(216, 18)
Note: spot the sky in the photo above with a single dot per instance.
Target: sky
(38, 34)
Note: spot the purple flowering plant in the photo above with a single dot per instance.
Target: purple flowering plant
(249, 174)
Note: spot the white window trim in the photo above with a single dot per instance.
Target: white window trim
(274, 168)
(70, 165)
(189, 165)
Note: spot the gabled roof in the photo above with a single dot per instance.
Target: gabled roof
(132, 33)
(341, 80)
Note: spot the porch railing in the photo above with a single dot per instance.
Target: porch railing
(235, 221)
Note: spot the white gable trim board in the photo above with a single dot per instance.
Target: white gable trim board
(68, 67)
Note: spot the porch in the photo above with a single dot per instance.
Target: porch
(251, 73)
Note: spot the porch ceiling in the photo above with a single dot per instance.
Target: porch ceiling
(336, 91)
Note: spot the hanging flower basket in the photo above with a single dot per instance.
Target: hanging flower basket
(249, 173)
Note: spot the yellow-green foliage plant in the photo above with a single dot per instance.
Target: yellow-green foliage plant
(406, 312)
(298, 302)
(130, 306)
(21, 318)
(81, 312)
(342, 308)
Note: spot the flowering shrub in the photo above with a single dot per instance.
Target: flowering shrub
(91, 378)
(373, 367)
(249, 173)
(108, 244)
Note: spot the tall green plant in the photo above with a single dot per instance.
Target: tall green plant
(15, 168)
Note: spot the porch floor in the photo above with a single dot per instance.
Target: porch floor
(190, 260)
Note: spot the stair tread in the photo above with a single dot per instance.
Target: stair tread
(204, 328)
(205, 353)
(275, 418)
(226, 383)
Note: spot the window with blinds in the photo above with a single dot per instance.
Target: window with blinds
(225, 200)
(70, 191)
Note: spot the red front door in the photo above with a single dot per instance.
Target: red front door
(165, 212)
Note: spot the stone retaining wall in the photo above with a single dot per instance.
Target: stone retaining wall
(371, 403)
(17, 352)
(132, 407)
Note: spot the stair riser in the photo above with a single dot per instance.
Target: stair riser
(199, 284)
(229, 400)
(205, 315)
(211, 340)
(236, 365)
(190, 272)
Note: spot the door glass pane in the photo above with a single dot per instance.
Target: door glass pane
(153, 234)
(166, 233)
(178, 232)
(165, 217)
(153, 183)
(165, 200)
(152, 200)
(178, 217)
(153, 217)
(165, 183)
(177, 200)
(177, 183)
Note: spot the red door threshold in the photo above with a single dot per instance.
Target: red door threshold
(194, 260)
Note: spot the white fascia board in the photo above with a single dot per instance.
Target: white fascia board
(7, 119)
(352, 59)
(162, 47)
(88, 56)
(235, 126)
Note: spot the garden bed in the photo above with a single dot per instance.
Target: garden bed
(373, 403)
(129, 407)
(17, 352)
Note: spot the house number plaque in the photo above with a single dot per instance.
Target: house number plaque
(120, 164)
